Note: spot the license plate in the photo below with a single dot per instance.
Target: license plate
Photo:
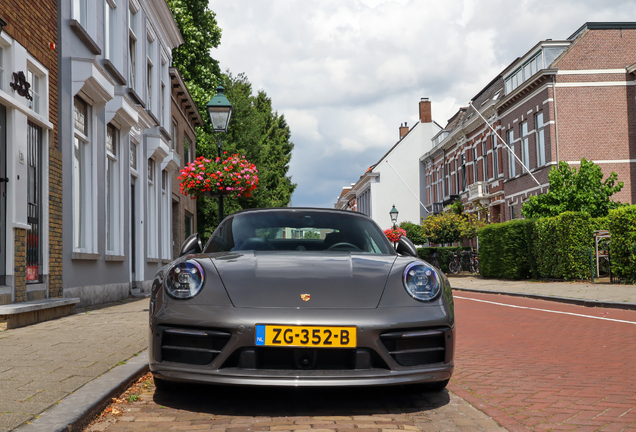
(306, 336)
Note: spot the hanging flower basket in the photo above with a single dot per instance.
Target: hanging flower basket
(234, 177)
(394, 234)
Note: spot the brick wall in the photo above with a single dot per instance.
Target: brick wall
(33, 24)
(19, 266)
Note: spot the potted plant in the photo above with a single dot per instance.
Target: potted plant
(234, 177)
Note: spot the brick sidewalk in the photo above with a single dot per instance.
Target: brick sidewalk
(43, 363)
(240, 409)
(600, 292)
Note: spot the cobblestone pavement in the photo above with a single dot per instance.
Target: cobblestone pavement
(241, 409)
(43, 363)
(601, 291)
(528, 368)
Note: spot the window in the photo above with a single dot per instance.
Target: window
(463, 161)
(163, 102)
(1, 68)
(152, 211)
(165, 216)
(133, 156)
(149, 81)
(495, 157)
(34, 203)
(540, 138)
(525, 151)
(484, 155)
(439, 183)
(175, 136)
(189, 224)
(34, 90)
(446, 179)
(112, 189)
(79, 11)
(512, 212)
(186, 151)
(110, 22)
(475, 170)
(511, 151)
(132, 49)
(82, 177)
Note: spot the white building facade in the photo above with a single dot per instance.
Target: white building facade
(118, 153)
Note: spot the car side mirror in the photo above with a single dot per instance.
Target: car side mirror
(192, 245)
(406, 247)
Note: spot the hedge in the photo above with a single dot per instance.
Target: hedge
(622, 227)
(557, 247)
(444, 255)
(505, 250)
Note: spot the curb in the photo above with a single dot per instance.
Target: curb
(77, 409)
(574, 301)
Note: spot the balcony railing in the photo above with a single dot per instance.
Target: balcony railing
(477, 190)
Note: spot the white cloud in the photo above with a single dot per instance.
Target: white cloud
(346, 73)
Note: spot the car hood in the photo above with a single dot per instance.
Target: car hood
(278, 279)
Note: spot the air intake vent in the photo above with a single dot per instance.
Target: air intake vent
(197, 347)
(419, 347)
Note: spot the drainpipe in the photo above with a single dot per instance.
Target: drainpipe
(556, 124)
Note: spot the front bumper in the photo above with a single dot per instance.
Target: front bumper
(239, 324)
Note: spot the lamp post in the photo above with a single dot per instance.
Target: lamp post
(220, 111)
(394, 215)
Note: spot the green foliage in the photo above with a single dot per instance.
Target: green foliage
(201, 33)
(622, 227)
(456, 207)
(413, 232)
(571, 190)
(546, 248)
(444, 255)
(311, 235)
(444, 228)
(505, 250)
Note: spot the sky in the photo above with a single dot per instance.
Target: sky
(346, 73)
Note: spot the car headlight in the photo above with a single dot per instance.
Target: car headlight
(185, 280)
(421, 281)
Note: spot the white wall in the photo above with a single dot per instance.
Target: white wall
(391, 190)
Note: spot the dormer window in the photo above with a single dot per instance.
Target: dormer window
(540, 60)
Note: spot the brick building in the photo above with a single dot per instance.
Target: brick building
(30, 158)
(560, 101)
(185, 117)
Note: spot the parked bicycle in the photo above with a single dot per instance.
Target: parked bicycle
(467, 260)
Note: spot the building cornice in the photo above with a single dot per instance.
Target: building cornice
(527, 87)
(162, 19)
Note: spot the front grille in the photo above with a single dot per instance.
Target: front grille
(419, 347)
(192, 346)
(304, 359)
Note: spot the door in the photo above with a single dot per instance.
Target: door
(133, 231)
(3, 193)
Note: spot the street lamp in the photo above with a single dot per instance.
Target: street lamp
(394, 214)
(220, 111)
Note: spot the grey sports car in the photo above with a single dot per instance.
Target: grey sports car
(301, 297)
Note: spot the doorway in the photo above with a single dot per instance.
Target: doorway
(133, 233)
(3, 194)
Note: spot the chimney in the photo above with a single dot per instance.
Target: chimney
(404, 129)
(425, 111)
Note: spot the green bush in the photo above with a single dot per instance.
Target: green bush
(622, 227)
(444, 255)
(505, 250)
(414, 232)
(545, 248)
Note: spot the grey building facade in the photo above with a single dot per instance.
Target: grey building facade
(114, 134)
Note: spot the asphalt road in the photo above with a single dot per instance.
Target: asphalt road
(526, 364)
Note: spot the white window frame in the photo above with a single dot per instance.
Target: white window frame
(512, 169)
(132, 48)
(484, 155)
(149, 66)
(34, 79)
(475, 170)
(114, 222)
(495, 158)
(84, 223)
(2, 66)
(540, 138)
(110, 28)
(165, 215)
(525, 146)
(151, 220)
(80, 12)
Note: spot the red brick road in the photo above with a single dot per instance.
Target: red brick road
(531, 369)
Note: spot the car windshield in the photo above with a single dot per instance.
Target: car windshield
(299, 230)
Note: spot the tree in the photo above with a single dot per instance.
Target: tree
(571, 190)
(201, 33)
(413, 232)
(444, 228)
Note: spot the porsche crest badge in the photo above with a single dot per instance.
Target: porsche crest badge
(305, 297)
